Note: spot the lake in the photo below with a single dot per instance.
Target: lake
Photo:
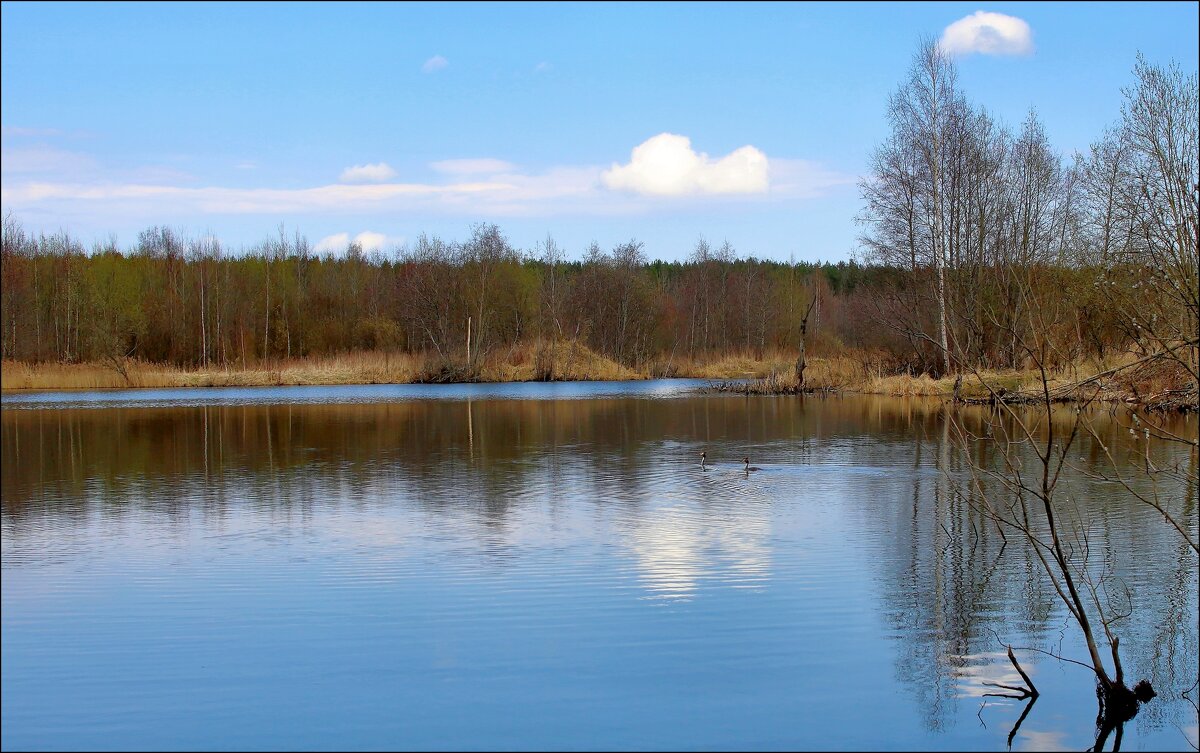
(547, 566)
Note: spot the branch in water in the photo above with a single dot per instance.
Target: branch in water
(1033, 691)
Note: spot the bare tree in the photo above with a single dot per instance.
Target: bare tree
(1143, 190)
(907, 195)
(1027, 499)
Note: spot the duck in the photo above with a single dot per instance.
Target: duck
(749, 467)
(703, 460)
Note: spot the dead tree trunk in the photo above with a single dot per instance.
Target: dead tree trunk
(801, 363)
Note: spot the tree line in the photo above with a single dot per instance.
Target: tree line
(191, 303)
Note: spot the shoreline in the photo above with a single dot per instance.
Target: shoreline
(562, 361)
(769, 375)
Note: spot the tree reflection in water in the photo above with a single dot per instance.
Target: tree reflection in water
(511, 477)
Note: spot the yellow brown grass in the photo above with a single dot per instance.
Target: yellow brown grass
(570, 361)
(743, 365)
(565, 360)
(351, 368)
(559, 360)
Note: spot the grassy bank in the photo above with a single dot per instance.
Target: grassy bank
(560, 361)
(571, 361)
(1120, 378)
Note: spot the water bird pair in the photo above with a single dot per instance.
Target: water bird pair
(745, 460)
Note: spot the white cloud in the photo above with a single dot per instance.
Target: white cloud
(434, 64)
(377, 173)
(374, 241)
(367, 240)
(332, 243)
(542, 67)
(666, 165)
(482, 166)
(988, 34)
(334, 198)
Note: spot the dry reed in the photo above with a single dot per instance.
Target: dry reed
(771, 372)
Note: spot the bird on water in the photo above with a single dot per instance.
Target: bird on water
(749, 467)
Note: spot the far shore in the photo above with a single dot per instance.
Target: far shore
(769, 373)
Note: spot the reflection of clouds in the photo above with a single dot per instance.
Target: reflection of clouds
(384, 532)
(977, 669)
(678, 546)
(1192, 734)
(1035, 740)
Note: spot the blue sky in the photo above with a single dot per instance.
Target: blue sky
(752, 123)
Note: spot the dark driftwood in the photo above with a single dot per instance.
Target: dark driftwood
(1033, 691)
(1029, 691)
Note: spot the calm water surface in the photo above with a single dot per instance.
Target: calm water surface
(546, 566)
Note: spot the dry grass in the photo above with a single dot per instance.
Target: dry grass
(973, 385)
(737, 366)
(18, 375)
(560, 360)
(353, 368)
(1165, 382)
(573, 361)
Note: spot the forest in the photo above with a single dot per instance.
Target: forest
(188, 303)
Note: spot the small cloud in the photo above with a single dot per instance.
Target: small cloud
(246, 165)
(369, 241)
(481, 166)
(376, 173)
(988, 34)
(226, 200)
(666, 165)
(434, 64)
(542, 67)
(366, 240)
(329, 243)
